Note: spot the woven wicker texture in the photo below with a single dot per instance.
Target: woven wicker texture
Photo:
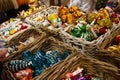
(45, 45)
(106, 56)
(22, 37)
(101, 69)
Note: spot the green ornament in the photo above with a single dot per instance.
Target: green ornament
(76, 32)
(89, 36)
(83, 28)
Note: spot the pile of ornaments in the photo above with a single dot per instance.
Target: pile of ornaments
(37, 63)
(86, 26)
(63, 17)
(80, 74)
(94, 25)
(12, 29)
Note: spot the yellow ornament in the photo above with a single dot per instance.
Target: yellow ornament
(52, 17)
(12, 32)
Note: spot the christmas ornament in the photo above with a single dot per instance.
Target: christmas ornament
(24, 74)
(16, 65)
(80, 74)
(102, 30)
(89, 36)
(75, 32)
(118, 39)
(27, 56)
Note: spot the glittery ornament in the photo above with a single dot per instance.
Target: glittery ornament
(28, 56)
(23, 27)
(75, 32)
(118, 39)
(89, 36)
(81, 27)
(38, 71)
(50, 58)
(16, 65)
(102, 30)
(24, 74)
(39, 59)
(12, 32)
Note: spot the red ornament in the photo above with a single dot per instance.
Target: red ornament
(118, 39)
(102, 30)
(23, 27)
(114, 15)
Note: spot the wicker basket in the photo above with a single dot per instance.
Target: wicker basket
(101, 69)
(38, 24)
(22, 37)
(87, 46)
(45, 45)
(106, 56)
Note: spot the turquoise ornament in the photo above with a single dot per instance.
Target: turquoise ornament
(51, 60)
(39, 59)
(16, 65)
(28, 56)
(38, 71)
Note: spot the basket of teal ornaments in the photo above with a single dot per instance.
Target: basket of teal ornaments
(34, 60)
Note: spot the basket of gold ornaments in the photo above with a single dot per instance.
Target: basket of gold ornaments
(87, 31)
(30, 62)
(80, 67)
